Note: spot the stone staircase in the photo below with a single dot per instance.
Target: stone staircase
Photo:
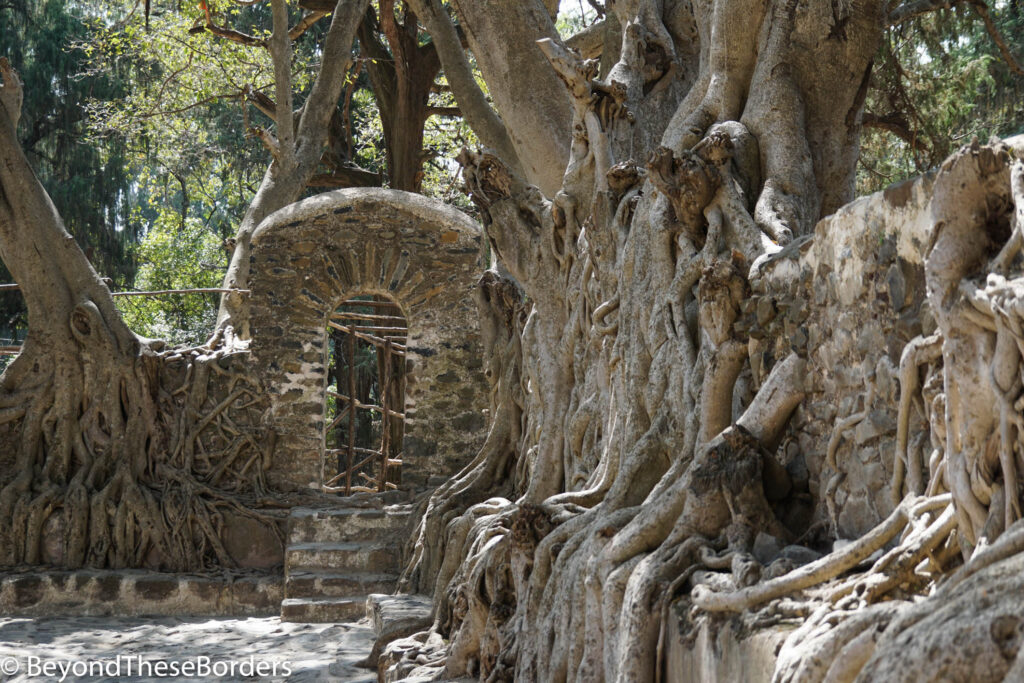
(338, 556)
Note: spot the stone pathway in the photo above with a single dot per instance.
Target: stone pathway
(200, 648)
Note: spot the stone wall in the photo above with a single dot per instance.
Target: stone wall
(88, 592)
(848, 298)
(307, 259)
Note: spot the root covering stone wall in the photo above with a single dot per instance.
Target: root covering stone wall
(848, 298)
(311, 256)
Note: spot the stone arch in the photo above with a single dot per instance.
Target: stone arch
(309, 257)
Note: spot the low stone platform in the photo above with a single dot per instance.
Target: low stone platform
(136, 593)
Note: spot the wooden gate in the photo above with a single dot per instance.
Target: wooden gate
(365, 330)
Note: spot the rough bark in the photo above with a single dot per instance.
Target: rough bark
(111, 468)
(402, 79)
(718, 135)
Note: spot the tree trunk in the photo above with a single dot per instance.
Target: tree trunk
(402, 80)
(722, 132)
(107, 458)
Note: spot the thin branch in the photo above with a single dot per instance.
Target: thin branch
(225, 32)
(982, 9)
(318, 5)
(172, 76)
(195, 290)
(281, 52)
(598, 7)
(444, 111)
(345, 176)
(916, 8)
(198, 103)
(307, 22)
(119, 26)
(263, 103)
(897, 125)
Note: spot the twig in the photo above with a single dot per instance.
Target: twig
(196, 290)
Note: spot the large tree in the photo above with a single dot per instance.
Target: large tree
(640, 198)
(630, 200)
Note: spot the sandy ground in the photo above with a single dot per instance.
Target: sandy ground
(301, 652)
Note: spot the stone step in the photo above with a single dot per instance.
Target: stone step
(308, 525)
(342, 557)
(323, 610)
(394, 617)
(398, 616)
(326, 583)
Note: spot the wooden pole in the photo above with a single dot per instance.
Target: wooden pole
(398, 349)
(369, 304)
(385, 424)
(351, 412)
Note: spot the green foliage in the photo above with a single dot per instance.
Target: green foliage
(141, 131)
(183, 109)
(942, 78)
(443, 138)
(574, 16)
(176, 255)
(90, 182)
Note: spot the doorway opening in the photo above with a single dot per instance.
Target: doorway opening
(366, 382)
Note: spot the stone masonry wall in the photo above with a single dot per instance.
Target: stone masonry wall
(307, 259)
(849, 298)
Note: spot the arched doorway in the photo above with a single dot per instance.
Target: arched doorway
(365, 396)
(311, 257)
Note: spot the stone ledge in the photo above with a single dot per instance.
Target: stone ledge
(394, 617)
(138, 593)
(721, 652)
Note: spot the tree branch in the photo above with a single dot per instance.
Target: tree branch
(11, 92)
(337, 59)
(589, 42)
(982, 9)
(225, 32)
(280, 47)
(307, 22)
(34, 244)
(444, 111)
(472, 102)
(263, 103)
(531, 99)
(318, 5)
(916, 8)
(897, 125)
(346, 176)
